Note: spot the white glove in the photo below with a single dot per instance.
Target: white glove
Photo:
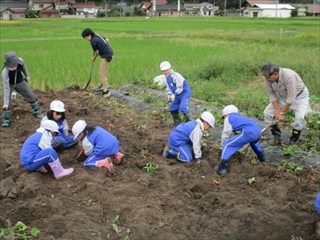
(5, 107)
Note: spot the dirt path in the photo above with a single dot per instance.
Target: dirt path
(178, 201)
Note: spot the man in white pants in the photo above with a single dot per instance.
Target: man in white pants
(286, 91)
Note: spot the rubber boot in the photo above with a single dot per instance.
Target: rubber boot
(5, 119)
(107, 164)
(222, 169)
(117, 158)
(261, 158)
(294, 137)
(187, 117)
(176, 118)
(42, 169)
(58, 170)
(35, 110)
(276, 132)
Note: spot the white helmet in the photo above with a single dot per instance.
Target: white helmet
(165, 66)
(50, 125)
(78, 127)
(57, 106)
(209, 118)
(229, 109)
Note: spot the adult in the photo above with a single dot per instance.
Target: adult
(101, 47)
(286, 91)
(179, 92)
(15, 76)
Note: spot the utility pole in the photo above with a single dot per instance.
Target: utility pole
(154, 2)
(239, 8)
(178, 8)
(105, 8)
(225, 7)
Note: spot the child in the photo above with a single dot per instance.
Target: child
(187, 135)
(179, 92)
(15, 76)
(100, 48)
(36, 151)
(101, 147)
(317, 203)
(57, 114)
(246, 130)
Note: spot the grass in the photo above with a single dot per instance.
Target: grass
(220, 57)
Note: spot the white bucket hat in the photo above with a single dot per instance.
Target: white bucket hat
(78, 127)
(165, 66)
(229, 109)
(209, 118)
(12, 60)
(50, 125)
(57, 106)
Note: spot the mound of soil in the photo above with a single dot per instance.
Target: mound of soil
(177, 201)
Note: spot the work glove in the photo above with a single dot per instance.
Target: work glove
(27, 79)
(5, 108)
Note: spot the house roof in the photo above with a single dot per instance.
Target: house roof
(274, 6)
(146, 5)
(171, 7)
(84, 5)
(43, 1)
(314, 8)
(160, 2)
(18, 10)
(49, 11)
(12, 4)
(254, 2)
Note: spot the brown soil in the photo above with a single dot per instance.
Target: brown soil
(178, 201)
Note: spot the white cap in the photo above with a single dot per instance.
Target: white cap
(229, 109)
(165, 66)
(209, 118)
(50, 125)
(78, 127)
(57, 106)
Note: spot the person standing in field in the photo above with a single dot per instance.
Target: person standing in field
(186, 136)
(179, 93)
(100, 147)
(15, 76)
(37, 151)
(101, 47)
(286, 91)
(63, 140)
(246, 131)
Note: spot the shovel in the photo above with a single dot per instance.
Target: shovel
(90, 76)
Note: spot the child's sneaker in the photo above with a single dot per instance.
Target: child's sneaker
(117, 158)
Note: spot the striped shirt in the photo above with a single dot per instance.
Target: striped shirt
(288, 87)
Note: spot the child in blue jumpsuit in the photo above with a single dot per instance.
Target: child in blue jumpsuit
(317, 203)
(179, 92)
(57, 114)
(187, 135)
(246, 131)
(36, 151)
(100, 146)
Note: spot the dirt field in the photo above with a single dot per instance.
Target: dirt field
(178, 201)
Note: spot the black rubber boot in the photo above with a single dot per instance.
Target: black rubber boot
(176, 118)
(261, 158)
(276, 132)
(5, 119)
(294, 137)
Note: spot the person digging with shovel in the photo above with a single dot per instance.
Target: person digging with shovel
(37, 151)
(286, 91)
(101, 47)
(101, 148)
(15, 76)
(246, 131)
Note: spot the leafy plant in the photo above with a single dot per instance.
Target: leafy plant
(292, 167)
(251, 180)
(289, 150)
(150, 168)
(19, 231)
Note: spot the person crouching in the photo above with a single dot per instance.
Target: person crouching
(100, 147)
(37, 151)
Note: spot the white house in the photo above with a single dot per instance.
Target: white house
(269, 10)
(201, 9)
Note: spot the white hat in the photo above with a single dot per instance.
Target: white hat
(12, 60)
(78, 127)
(57, 106)
(229, 109)
(165, 66)
(209, 118)
(50, 125)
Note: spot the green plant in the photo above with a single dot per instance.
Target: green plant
(291, 167)
(19, 231)
(251, 180)
(289, 150)
(150, 168)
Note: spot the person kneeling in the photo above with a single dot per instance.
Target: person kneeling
(187, 135)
